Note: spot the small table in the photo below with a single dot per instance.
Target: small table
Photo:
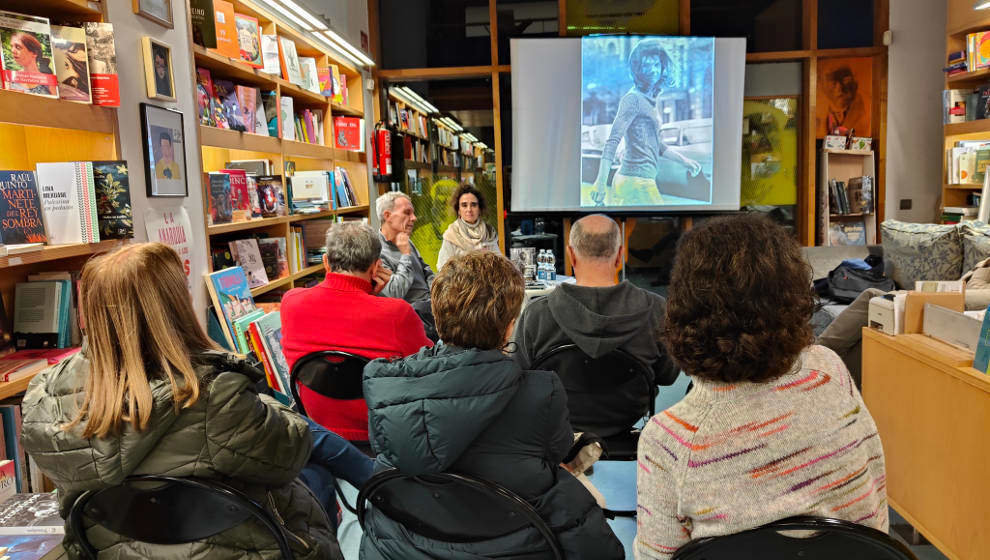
(533, 293)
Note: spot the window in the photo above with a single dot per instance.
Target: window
(434, 33)
(845, 23)
(768, 25)
(524, 18)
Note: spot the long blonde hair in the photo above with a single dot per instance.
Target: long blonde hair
(139, 322)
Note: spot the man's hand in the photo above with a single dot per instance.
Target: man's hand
(380, 280)
(598, 194)
(402, 242)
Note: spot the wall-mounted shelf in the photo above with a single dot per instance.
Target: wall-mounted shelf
(56, 252)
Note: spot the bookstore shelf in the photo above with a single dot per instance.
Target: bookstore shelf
(230, 69)
(968, 127)
(306, 150)
(980, 75)
(256, 223)
(280, 283)
(849, 152)
(35, 110)
(857, 215)
(299, 94)
(314, 216)
(351, 209)
(344, 110)
(12, 388)
(315, 269)
(81, 9)
(416, 164)
(970, 27)
(56, 252)
(349, 156)
(964, 186)
(234, 140)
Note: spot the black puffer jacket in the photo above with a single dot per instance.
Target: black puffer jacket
(476, 412)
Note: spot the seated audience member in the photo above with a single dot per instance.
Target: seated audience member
(150, 394)
(468, 232)
(774, 426)
(598, 315)
(464, 406)
(343, 314)
(411, 277)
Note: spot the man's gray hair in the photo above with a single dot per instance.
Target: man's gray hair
(352, 247)
(386, 202)
(594, 243)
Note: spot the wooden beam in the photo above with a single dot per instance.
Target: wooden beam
(493, 30)
(806, 186)
(777, 56)
(881, 20)
(499, 169)
(374, 32)
(809, 18)
(684, 17)
(880, 137)
(562, 18)
(853, 51)
(438, 73)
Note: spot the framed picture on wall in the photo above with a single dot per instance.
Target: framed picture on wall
(158, 69)
(164, 151)
(845, 96)
(158, 11)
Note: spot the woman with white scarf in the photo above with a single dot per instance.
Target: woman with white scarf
(468, 232)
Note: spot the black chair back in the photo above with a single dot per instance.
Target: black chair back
(452, 508)
(605, 395)
(333, 374)
(832, 539)
(168, 510)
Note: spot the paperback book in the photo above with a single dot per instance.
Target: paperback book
(204, 26)
(240, 198)
(68, 202)
(26, 60)
(226, 30)
(231, 298)
(310, 77)
(226, 95)
(247, 256)
(348, 133)
(270, 196)
(221, 211)
(102, 54)
(21, 220)
(246, 102)
(31, 514)
(113, 199)
(71, 63)
(204, 97)
(248, 40)
(273, 256)
(291, 70)
(269, 54)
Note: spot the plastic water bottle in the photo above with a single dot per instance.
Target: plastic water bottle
(551, 266)
(541, 265)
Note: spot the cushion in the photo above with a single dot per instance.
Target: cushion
(978, 278)
(921, 252)
(976, 243)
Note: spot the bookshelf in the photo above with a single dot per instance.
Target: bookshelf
(841, 165)
(218, 146)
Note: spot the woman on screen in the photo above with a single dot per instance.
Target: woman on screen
(637, 122)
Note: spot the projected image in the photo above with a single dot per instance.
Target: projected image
(646, 121)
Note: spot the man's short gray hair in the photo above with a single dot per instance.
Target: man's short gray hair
(386, 202)
(594, 243)
(352, 247)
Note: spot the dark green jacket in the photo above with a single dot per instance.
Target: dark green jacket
(476, 412)
(231, 434)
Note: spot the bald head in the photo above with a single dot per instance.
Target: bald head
(595, 237)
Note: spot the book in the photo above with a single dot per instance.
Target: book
(204, 97)
(270, 330)
(8, 478)
(10, 414)
(954, 105)
(21, 220)
(270, 196)
(847, 233)
(269, 55)
(113, 199)
(252, 189)
(273, 256)
(310, 78)
(221, 257)
(231, 298)
(220, 209)
(286, 116)
(325, 79)
(71, 63)
(343, 90)
(248, 40)
(247, 256)
(104, 81)
(270, 102)
(68, 202)
(859, 193)
(978, 46)
(226, 95)
(31, 547)
(204, 26)
(982, 102)
(966, 211)
(31, 514)
(240, 198)
(254, 341)
(226, 30)
(260, 123)
(338, 95)
(348, 133)
(982, 159)
(12, 370)
(50, 356)
(256, 166)
(241, 326)
(291, 70)
(246, 103)
(31, 70)
(37, 314)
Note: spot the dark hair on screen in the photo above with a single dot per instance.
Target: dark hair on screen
(740, 301)
(463, 189)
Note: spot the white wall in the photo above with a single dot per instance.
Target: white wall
(914, 108)
(128, 30)
(347, 17)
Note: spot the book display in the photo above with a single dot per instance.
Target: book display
(845, 205)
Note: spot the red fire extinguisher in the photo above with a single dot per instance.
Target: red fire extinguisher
(383, 153)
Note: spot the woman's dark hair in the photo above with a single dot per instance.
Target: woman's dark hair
(32, 44)
(649, 47)
(465, 188)
(81, 70)
(474, 298)
(740, 301)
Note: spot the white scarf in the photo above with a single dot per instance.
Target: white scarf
(470, 237)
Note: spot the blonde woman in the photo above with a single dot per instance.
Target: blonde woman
(150, 394)
(468, 232)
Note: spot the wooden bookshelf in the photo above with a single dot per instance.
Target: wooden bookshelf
(26, 109)
(278, 283)
(57, 252)
(968, 127)
(963, 186)
(13, 388)
(963, 78)
(78, 10)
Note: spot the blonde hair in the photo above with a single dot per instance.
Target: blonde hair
(139, 324)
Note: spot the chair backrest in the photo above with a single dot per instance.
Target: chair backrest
(832, 538)
(333, 374)
(605, 395)
(169, 510)
(453, 508)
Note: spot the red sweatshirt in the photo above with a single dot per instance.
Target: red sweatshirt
(342, 314)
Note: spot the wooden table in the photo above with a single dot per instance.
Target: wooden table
(933, 413)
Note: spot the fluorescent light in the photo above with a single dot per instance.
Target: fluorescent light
(981, 4)
(404, 96)
(337, 49)
(285, 12)
(316, 22)
(349, 47)
(412, 94)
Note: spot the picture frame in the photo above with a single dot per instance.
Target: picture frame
(162, 134)
(158, 11)
(159, 78)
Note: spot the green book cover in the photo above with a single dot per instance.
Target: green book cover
(982, 358)
(982, 158)
(240, 330)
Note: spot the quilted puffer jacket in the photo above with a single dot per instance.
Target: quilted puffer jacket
(231, 433)
(477, 413)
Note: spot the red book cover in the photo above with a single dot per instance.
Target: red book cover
(347, 133)
(103, 79)
(240, 199)
(53, 355)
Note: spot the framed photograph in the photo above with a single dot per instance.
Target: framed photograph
(158, 69)
(164, 151)
(158, 11)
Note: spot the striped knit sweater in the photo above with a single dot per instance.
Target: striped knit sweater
(733, 457)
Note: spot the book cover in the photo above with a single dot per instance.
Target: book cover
(348, 133)
(240, 199)
(270, 101)
(68, 202)
(260, 123)
(246, 103)
(71, 63)
(252, 189)
(8, 479)
(231, 298)
(274, 257)
(338, 96)
(104, 81)
(10, 414)
(31, 514)
(26, 60)
(325, 78)
(269, 54)
(981, 56)
(204, 97)
(21, 218)
(248, 256)
(221, 257)
(223, 21)
(221, 211)
(113, 200)
(270, 329)
(291, 70)
(254, 341)
(310, 77)
(37, 314)
(12, 370)
(204, 26)
(982, 158)
(249, 40)
(847, 233)
(286, 116)
(270, 196)
(982, 99)
(859, 191)
(226, 94)
(241, 326)
(954, 105)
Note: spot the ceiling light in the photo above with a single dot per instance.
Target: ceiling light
(316, 22)
(285, 12)
(981, 4)
(337, 50)
(349, 47)
(412, 94)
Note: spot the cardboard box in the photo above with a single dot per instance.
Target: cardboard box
(835, 142)
(860, 143)
(914, 307)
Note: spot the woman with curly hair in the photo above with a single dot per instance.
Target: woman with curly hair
(638, 123)
(774, 426)
(469, 232)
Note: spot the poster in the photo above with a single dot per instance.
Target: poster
(769, 162)
(845, 96)
(171, 226)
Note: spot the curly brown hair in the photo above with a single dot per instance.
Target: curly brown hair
(474, 298)
(465, 188)
(740, 301)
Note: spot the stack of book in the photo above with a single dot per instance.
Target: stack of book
(957, 63)
(236, 195)
(956, 214)
(264, 259)
(45, 311)
(854, 196)
(966, 162)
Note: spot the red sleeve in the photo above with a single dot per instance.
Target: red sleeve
(409, 331)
